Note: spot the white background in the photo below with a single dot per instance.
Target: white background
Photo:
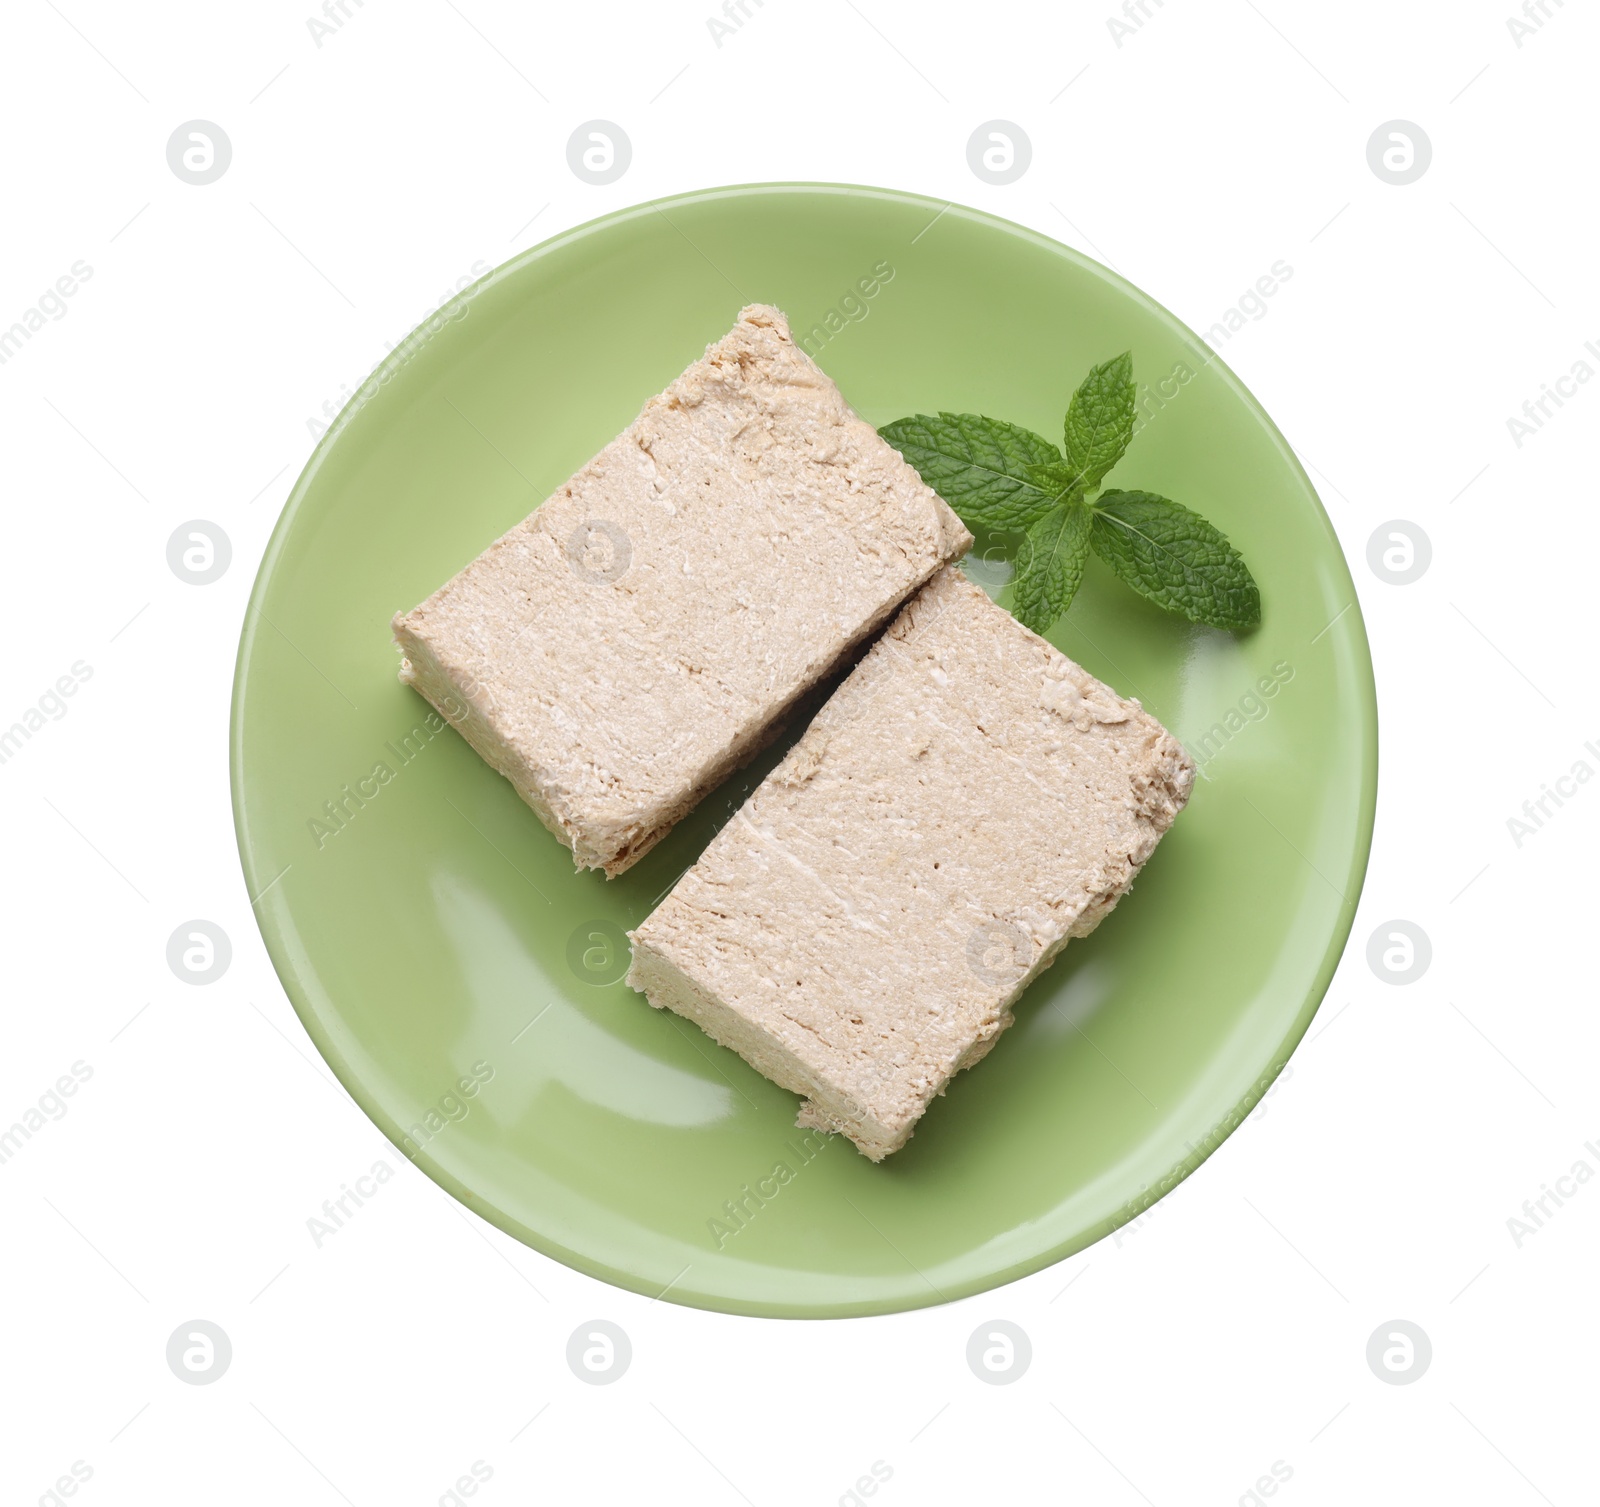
(1179, 1362)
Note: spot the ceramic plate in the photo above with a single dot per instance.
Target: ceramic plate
(465, 984)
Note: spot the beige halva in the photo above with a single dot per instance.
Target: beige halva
(966, 802)
(622, 650)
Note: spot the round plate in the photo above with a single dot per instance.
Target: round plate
(465, 983)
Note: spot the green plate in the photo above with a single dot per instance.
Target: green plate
(465, 984)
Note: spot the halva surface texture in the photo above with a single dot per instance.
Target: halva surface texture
(618, 653)
(967, 801)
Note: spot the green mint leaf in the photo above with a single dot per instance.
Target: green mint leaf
(1100, 419)
(1058, 479)
(1050, 565)
(1176, 559)
(981, 467)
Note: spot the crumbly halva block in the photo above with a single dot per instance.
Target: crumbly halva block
(967, 801)
(622, 650)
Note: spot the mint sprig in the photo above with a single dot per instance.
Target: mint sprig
(1005, 478)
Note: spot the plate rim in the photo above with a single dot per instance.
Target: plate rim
(1365, 693)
